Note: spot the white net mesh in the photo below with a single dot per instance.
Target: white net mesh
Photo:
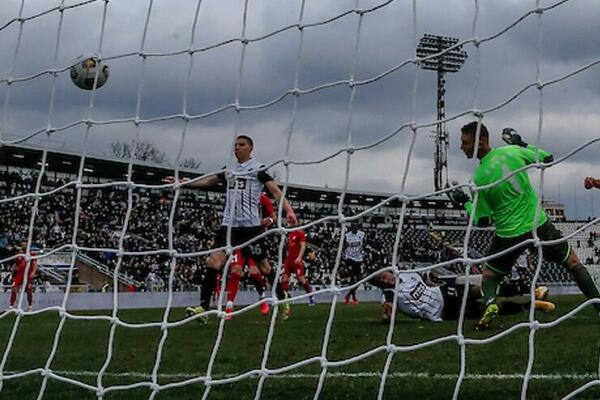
(197, 51)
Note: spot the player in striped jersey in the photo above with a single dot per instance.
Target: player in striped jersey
(417, 298)
(353, 259)
(245, 180)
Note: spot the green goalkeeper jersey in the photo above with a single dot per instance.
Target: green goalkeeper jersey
(512, 203)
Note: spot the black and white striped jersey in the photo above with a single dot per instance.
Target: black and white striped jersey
(245, 199)
(354, 246)
(417, 300)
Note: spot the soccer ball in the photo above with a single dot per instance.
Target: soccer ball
(83, 73)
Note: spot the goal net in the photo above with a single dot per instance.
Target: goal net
(334, 96)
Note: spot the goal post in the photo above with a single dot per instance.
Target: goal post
(194, 90)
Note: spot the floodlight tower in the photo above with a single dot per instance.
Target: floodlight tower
(431, 46)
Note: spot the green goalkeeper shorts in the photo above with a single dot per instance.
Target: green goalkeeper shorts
(557, 252)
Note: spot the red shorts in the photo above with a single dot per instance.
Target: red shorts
(239, 259)
(19, 278)
(290, 267)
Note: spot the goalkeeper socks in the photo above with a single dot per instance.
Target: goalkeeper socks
(233, 285)
(29, 297)
(584, 281)
(13, 298)
(208, 286)
(489, 289)
(285, 285)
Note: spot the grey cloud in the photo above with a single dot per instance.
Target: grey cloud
(506, 65)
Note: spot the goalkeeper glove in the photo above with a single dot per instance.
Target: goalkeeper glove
(458, 196)
(510, 136)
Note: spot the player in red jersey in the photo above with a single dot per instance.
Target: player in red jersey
(296, 242)
(23, 271)
(237, 264)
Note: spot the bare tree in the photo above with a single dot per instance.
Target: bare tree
(191, 163)
(143, 150)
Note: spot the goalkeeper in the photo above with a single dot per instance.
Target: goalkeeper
(511, 205)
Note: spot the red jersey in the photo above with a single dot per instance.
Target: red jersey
(21, 265)
(19, 276)
(295, 240)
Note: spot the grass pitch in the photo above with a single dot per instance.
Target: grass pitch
(566, 356)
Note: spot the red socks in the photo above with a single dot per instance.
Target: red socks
(233, 285)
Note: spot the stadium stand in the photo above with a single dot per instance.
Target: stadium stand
(434, 232)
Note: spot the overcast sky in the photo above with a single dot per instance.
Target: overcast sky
(502, 67)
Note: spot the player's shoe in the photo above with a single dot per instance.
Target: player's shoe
(228, 310)
(191, 311)
(491, 312)
(545, 306)
(311, 301)
(354, 302)
(286, 310)
(264, 308)
(541, 292)
(30, 308)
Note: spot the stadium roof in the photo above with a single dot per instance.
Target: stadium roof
(112, 168)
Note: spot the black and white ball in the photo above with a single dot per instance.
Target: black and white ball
(83, 73)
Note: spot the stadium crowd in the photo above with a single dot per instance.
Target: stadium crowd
(102, 215)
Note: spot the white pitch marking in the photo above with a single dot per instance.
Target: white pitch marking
(342, 375)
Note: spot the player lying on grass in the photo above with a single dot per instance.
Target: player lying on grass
(507, 200)
(419, 298)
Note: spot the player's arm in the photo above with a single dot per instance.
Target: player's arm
(529, 154)
(483, 215)
(298, 260)
(387, 304)
(270, 216)
(203, 182)
(387, 311)
(528, 151)
(278, 195)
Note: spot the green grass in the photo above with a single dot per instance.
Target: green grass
(568, 352)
